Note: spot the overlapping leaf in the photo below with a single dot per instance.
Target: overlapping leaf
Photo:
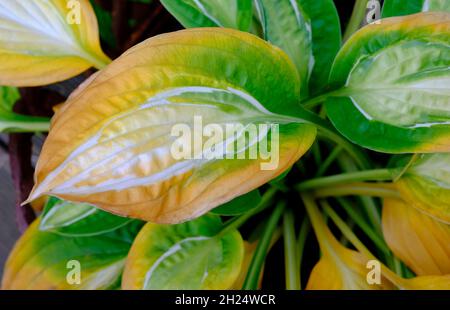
(400, 7)
(308, 31)
(40, 260)
(235, 14)
(426, 185)
(184, 256)
(417, 239)
(111, 144)
(78, 219)
(42, 42)
(394, 85)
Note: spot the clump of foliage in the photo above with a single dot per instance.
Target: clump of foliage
(363, 158)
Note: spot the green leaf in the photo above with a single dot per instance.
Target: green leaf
(41, 260)
(393, 80)
(235, 14)
(426, 185)
(78, 219)
(13, 122)
(239, 205)
(402, 7)
(308, 31)
(184, 256)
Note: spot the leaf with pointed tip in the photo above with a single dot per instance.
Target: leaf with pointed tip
(400, 7)
(112, 144)
(393, 85)
(426, 185)
(417, 239)
(236, 14)
(39, 259)
(78, 219)
(42, 42)
(184, 256)
(308, 31)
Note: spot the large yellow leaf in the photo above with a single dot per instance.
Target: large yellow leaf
(417, 239)
(46, 41)
(110, 144)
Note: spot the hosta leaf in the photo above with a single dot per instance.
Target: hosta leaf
(111, 144)
(417, 239)
(39, 259)
(307, 30)
(394, 85)
(426, 185)
(13, 122)
(184, 256)
(42, 42)
(235, 14)
(239, 204)
(78, 219)
(401, 7)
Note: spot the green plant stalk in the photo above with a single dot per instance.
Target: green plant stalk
(347, 232)
(358, 189)
(290, 252)
(328, 161)
(344, 178)
(311, 103)
(254, 271)
(368, 230)
(238, 221)
(31, 125)
(301, 240)
(359, 11)
(368, 204)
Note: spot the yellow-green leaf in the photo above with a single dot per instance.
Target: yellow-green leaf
(111, 144)
(44, 260)
(42, 42)
(426, 185)
(417, 239)
(184, 256)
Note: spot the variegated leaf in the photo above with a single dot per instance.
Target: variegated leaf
(184, 256)
(43, 41)
(393, 79)
(44, 260)
(235, 14)
(402, 7)
(112, 144)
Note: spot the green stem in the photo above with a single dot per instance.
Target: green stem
(26, 126)
(328, 161)
(348, 233)
(368, 230)
(358, 189)
(344, 178)
(238, 221)
(301, 240)
(358, 156)
(290, 253)
(359, 11)
(311, 103)
(254, 271)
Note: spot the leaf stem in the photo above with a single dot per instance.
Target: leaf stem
(343, 178)
(290, 252)
(301, 240)
(358, 13)
(254, 271)
(359, 189)
(311, 103)
(31, 125)
(328, 161)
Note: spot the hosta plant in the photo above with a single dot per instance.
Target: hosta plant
(144, 190)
